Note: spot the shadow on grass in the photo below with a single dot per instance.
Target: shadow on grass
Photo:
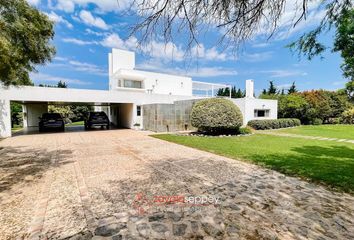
(19, 165)
(333, 166)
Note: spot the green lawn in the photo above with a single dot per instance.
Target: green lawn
(331, 163)
(16, 128)
(81, 123)
(331, 131)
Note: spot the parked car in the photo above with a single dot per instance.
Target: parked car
(97, 119)
(51, 121)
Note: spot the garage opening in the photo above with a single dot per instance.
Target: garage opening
(26, 116)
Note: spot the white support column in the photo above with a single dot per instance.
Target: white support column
(32, 113)
(5, 118)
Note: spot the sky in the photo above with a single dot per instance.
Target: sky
(87, 30)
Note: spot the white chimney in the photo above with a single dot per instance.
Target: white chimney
(249, 88)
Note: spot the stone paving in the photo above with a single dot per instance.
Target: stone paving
(275, 133)
(103, 185)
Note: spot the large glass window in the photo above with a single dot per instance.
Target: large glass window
(261, 113)
(132, 84)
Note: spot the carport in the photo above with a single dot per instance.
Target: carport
(35, 101)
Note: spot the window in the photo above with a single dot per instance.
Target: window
(261, 113)
(138, 110)
(132, 84)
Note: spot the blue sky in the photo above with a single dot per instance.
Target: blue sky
(86, 30)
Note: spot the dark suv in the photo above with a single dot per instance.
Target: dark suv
(51, 121)
(97, 119)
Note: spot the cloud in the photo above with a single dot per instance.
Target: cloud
(87, 67)
(65, 5)
(155, 65)
(59, 19)
(34, 2)
(113, 41)
(211, 72)
(284, 73)
(339, 83)
(284, 86)
(91, 32)
(87, 18)
(102, 5)
(78, 41)
(257, 57)
(260, 45)
(164, 51)
(62, 59)
(42, 77)
(210, 54)
(313, 18)
(291, 13)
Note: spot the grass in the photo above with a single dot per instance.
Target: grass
(330, 131)
(80, 123)
(16, 128)
(327, 162)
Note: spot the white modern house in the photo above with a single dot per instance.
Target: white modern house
(129, 91)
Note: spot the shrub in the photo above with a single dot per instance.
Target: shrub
(215, 115)
(274, 123)
(316, 121)
(334, 120)
(348, 116)
(245, 130)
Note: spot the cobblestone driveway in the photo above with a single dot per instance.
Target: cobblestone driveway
(84, 185)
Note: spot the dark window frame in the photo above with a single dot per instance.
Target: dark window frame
(138, 110)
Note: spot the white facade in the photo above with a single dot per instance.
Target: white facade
(129, 89)
(254, 108)
(123, 76)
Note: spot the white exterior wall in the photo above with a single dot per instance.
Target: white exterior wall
(249, 88)
(160, 83)
(32, 113)
(122, 66)
(248, 105)
(5, 118)
(70, 95)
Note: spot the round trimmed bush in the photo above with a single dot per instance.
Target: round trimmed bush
(216, 115)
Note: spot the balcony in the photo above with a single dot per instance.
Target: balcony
(205, 89)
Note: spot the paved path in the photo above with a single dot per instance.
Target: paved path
(275, 133)
(102, 185)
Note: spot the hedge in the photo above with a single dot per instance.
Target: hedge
(274, 123)
(216, 115)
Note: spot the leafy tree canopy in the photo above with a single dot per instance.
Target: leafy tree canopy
(25, 35)
(292, 89)
(234, 93)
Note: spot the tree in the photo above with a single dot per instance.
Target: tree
(225, 92)
(62, 84)
(292, 89)
(79, 112)
(25, 35)
(292, 106)
(239, 20)
(16, 114)
(310, 46)
(272, 89)
(350, 89)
